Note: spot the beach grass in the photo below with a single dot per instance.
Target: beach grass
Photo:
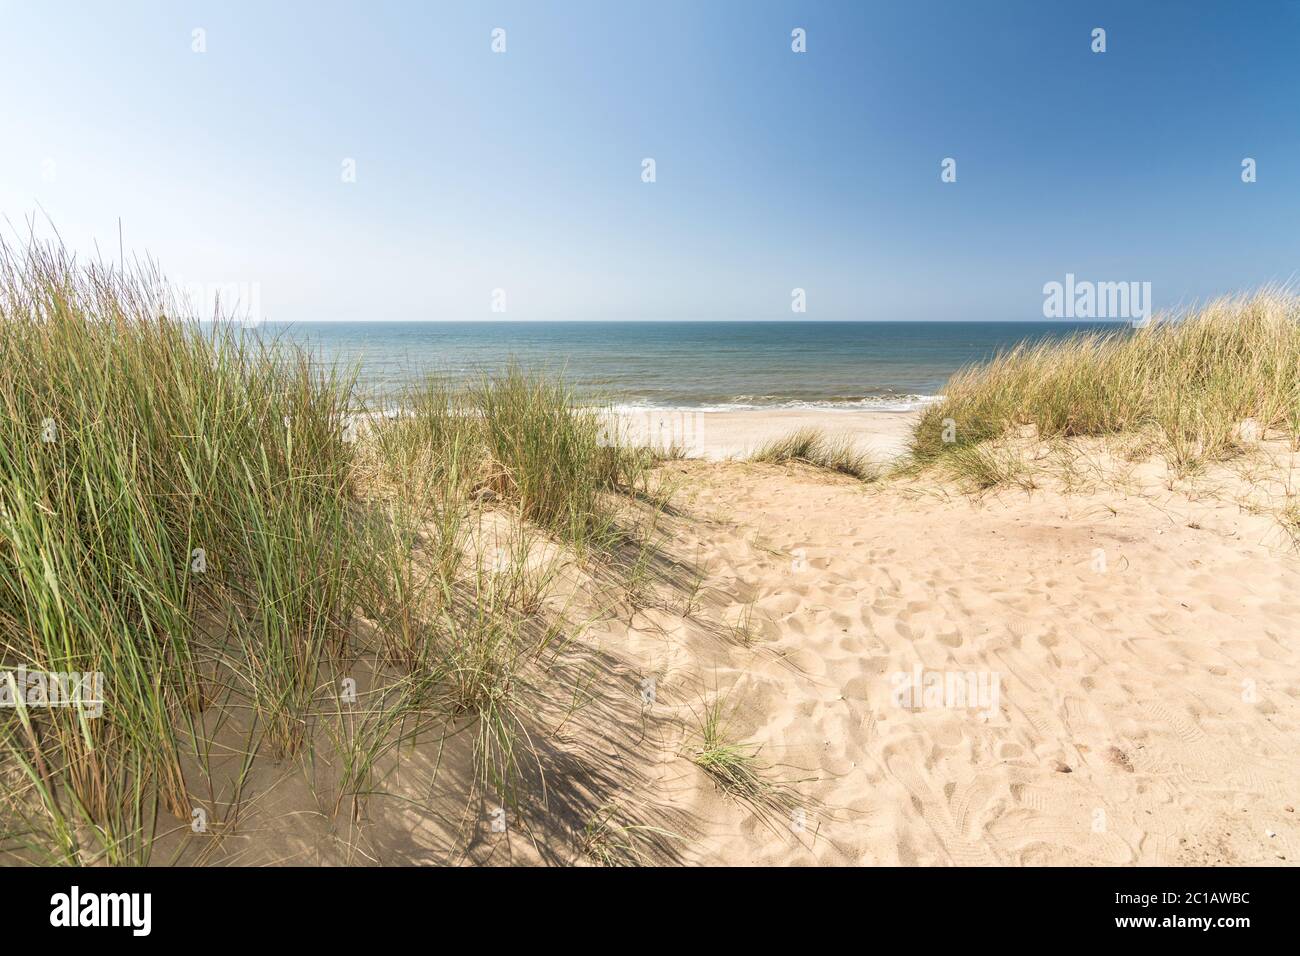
(736, 770)
(732, 765)
(193, 512)
(1198, 385)
(153, 478)
(981, 467)
(814, 446)
(609, 839)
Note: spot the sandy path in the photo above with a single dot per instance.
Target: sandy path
(1147, 708)
(1146, 648)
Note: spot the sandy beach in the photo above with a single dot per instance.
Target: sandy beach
(738, 434)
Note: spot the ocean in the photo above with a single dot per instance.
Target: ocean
(706, 366)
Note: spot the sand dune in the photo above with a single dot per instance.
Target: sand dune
(1147, 709)
(1128, 659)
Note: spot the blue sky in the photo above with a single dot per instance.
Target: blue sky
(774, 170)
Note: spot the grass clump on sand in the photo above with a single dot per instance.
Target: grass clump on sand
(607, 839)
(812, 446)
(735, 769)
(154, 480)
(555, 458)
(983, 467)
(522, 438)
(733, 766)
(193, 512)
(1189, 383)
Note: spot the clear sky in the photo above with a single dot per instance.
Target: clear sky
(522, 170)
